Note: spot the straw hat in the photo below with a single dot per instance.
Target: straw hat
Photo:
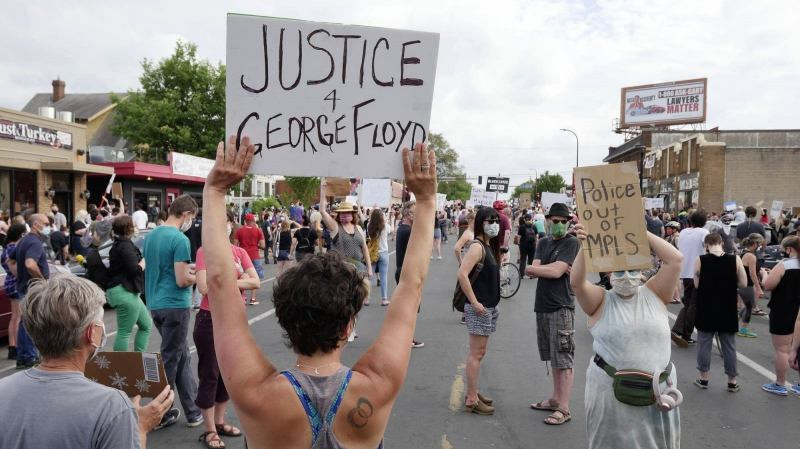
(345, 207)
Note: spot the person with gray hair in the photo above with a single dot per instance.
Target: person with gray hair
(64, 317)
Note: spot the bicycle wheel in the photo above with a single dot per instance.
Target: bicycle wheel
(510, 280)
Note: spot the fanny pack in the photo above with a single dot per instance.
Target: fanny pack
(631, 386)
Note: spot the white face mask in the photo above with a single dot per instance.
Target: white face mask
(625, 283)
(186, 225)
(103, 340)
(47, 230)
(491, 229)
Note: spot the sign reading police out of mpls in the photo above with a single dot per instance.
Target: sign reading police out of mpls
(322, 99)
(498, 185)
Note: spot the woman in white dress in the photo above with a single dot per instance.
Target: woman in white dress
(631, 331)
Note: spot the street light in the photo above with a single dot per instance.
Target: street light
(576, 143)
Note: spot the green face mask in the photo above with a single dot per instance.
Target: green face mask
(559, 229)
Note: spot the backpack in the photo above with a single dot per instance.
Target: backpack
(96, 270)
(459, 297)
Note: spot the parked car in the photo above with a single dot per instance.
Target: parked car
(5, 301)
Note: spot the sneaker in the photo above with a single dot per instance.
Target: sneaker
(195, 421)
(417, 344)
(774, 388)
(169, 418)
(463, 320)
(439, 258)
(733, 388)
(702, 384)
(759, 312)
(12, 353)
(745, 332)
(25, 364)
(385, 302)
(796, 389)
(679, 340)
(690, 341)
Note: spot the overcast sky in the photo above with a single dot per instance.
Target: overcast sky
(510, 72)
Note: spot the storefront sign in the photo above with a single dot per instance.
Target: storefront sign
(610, 207)
(35, 134)
(187, 165)
(664, 104)
(324, 99)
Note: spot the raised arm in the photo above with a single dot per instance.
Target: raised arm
(242, 364)
(589, 296)
(330, 223)
(386, 361)
(664, 282)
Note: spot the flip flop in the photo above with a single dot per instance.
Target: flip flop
(541, 406)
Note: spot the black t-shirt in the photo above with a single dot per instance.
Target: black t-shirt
(58, 241)
(555, 294)
(749, 227)
(195, 236)
(285, 241)
(305, 240)
(403, 234)
(527, 235)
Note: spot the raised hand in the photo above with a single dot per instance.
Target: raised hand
(420, 171)
(231, 164)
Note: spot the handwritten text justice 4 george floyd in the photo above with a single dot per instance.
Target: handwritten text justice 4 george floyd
(340, 125)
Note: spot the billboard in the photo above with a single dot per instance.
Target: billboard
(673, 103)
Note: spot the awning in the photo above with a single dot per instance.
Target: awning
(77, 167)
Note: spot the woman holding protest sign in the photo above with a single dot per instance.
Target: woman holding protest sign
(631, 334)
(316, 303)
(348, 238)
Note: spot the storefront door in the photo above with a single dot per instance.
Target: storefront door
(172, 193)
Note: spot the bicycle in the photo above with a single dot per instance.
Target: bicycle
(510, 280)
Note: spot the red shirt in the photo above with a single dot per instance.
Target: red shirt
(248, 237)
(505, 225)
(241, 261)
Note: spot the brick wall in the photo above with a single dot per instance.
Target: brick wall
(766, 174)
(712, 176)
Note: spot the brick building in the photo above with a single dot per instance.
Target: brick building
(708, 168)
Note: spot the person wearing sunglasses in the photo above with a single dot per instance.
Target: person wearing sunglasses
(630, 327)
(555, 310)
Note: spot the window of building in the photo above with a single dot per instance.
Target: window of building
(17, 191)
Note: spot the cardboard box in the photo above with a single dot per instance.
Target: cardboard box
(135, 373)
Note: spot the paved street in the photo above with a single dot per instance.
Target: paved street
(429, 412)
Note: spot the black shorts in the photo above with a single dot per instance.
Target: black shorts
(781, 322)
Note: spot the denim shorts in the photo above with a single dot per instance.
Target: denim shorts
(259, 268)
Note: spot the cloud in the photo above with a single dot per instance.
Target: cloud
(510, 72)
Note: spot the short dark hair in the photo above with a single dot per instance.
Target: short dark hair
(750, 211)
(122, 226)
(316, 300)
(181, 204)
(698, 219)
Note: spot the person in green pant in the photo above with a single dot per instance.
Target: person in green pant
(126, 282)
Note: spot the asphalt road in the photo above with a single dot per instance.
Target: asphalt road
(429, 411)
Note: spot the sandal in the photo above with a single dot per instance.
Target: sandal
(214, 443)
(556, 420)
(228, 430)
(545, 405)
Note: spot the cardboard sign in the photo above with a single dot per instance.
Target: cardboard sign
(135, 373)
(610, 207)
(480, 197)
(525, 200)
(338, 186)
(795, 211)
(376, 192)
(548, 198)
(324, 99)
(776, 209)
(730, 206)
(495, 184)
(116, 190)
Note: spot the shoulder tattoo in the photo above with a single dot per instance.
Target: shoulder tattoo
(360, 414)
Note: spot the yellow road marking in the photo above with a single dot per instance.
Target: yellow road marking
(446, 444)
(457, 389)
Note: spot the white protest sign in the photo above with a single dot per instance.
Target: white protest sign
(376, 192)
(441, 199)
(776, 209)
(548, 198)
(480, 197)
(110, 183)
(653, 203)
(351, 199)
(324, 99)
(730, 206)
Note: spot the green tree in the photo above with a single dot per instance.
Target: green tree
(180, 107)
(265, 203)
(526, 187)
(548, 182)
(303, 188)
(453, 180)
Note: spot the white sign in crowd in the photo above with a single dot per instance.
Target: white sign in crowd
(480, 197)
(376, 192)
(323, 99)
